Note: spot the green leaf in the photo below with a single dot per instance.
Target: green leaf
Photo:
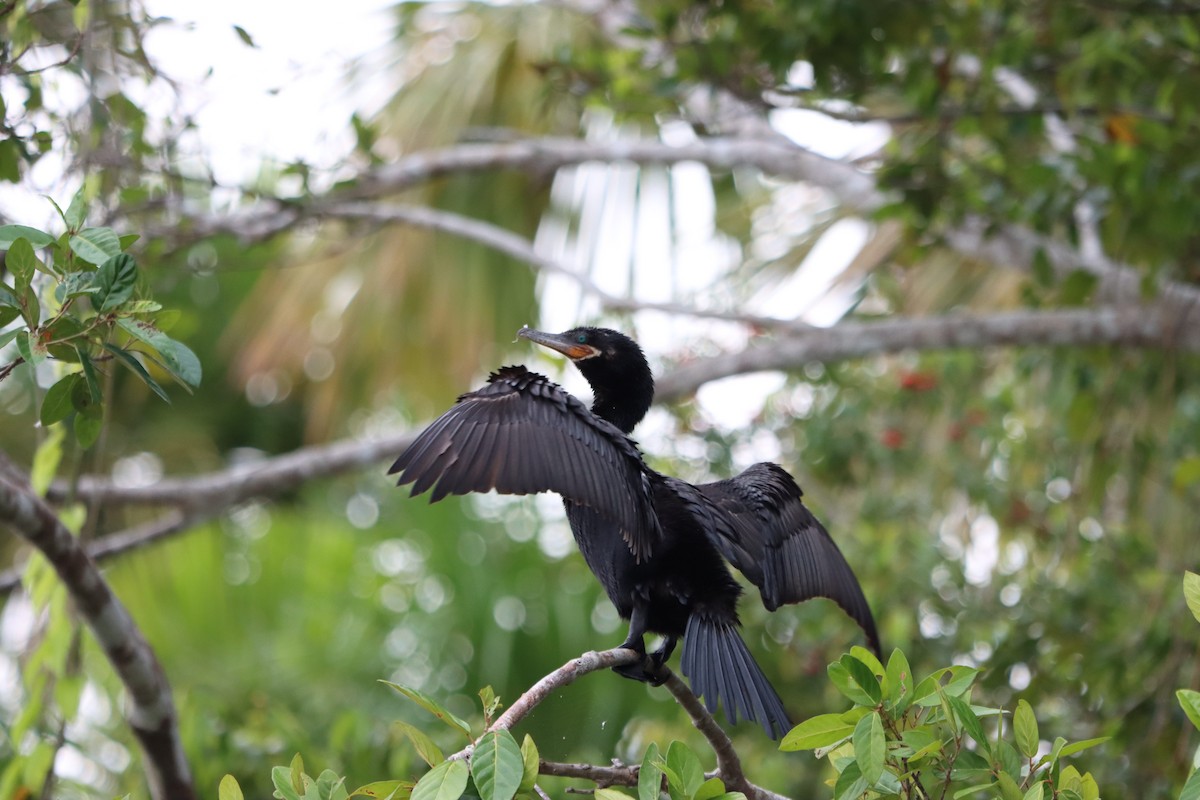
(37, 238)
(244, 36)
(710, 789)
(22, 262)
(76, 213)
(605, 793)
(89, 374)
(685, 764)
(281, 778)
(430, 705)
(1008, 787)
(229, 789)
(429, 752)
(45, 461)
(130, 361)
(296, 774)
(87, 430)
(1078, 747)
(899, 680)
(8, 297)
(128, 239)
(869, 747)
(969, 720)
(114, 282)
(1036, 792)
(819, 731)
(178, 359)
(7, 315)
(5, 338)
(1191, 593)
(650, 776)
(1189, 700)
(57, 405)
(446, 781)
(497, 766)
(1191, 789)
(850, 784)
(141, 307)
(30, 350)
(75, 284)
(532, 762)
(861, 680)
(30, 308)
(95, 245)
(330, 786)
(1025, 728)
(384, 790)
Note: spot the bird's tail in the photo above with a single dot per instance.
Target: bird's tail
(719, 667)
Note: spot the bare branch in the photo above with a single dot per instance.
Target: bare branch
(151, 712)
(1131, 326)
(226, 488)
(116, 543)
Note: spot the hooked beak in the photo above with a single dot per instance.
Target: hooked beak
(556, 341)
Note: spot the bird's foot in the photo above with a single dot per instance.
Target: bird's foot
(649, 670)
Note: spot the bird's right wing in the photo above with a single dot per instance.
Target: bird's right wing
(523, 434)
(764, 529)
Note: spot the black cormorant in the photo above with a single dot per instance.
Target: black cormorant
(658, 545)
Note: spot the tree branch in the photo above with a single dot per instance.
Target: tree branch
(729, 767)
(1131, 327)
(151, 712)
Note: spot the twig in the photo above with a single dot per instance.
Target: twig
(116, 543)
(151, 713)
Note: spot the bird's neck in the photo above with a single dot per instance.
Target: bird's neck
(625, 407)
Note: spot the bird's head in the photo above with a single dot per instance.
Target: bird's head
(612, 363)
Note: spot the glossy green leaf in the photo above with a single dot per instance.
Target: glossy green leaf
(429, 752)
(87, 430)
(899, 680)
(497, 766)
(176, 357)
(385, 790)
(850, 784)
(684, 763)
(95, 245)
(114, 282)
(1085, 744)
(1191, 789)
(446, 781)
(229, 789)
(1025, 728)
(863, 678)
(1189, 700)
(819, 731)
(37, 238)
(1036, 792)
(21, 261)
(1191, 593)
(608, 793)
(532, 763)
(710, 789)
(968, 720)
(76, 212)
(650, 776)
(130, 361)
(57, 405)
(869, 747)
(433, 707)
(32, 352)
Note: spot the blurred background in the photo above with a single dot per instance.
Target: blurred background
(1026, 509)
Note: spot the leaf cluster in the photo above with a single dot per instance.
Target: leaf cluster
(925, 739)
(76, 296)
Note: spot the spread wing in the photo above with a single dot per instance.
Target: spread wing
(522, 434)
(776, 542)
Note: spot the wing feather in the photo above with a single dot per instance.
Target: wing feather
(762, 527)
(523, 434)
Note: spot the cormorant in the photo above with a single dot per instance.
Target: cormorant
(658, 545)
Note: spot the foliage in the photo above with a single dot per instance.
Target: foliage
(925, 739)
(83, 313)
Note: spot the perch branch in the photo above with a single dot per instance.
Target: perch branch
(151, 713)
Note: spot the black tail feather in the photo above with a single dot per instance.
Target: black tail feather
(720, 668)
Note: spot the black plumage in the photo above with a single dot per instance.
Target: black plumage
(657, 544)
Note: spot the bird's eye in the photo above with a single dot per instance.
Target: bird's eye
(581, 338)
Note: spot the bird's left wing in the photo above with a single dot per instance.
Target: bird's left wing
(763, 528)
(523, 434)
